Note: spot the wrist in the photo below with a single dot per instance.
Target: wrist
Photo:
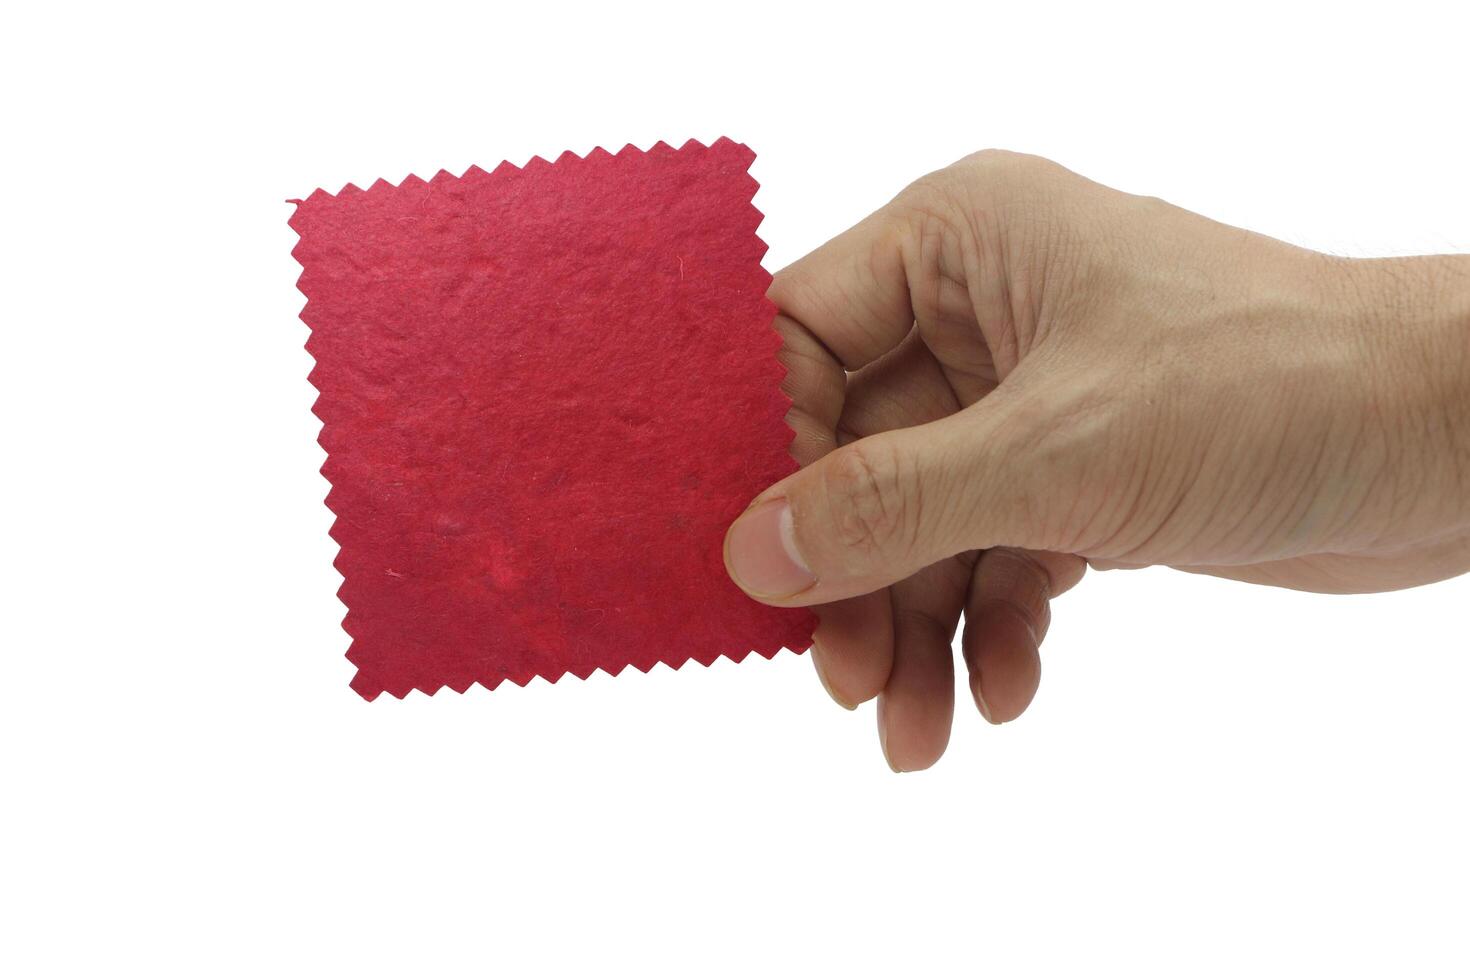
(1410, 320)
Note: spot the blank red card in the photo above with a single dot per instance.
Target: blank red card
(545, 394)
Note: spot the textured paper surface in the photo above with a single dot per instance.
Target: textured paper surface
(545, 394)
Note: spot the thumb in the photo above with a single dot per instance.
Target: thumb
(877, 510)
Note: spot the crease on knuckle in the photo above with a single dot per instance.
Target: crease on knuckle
(869, 503)
(1016, 578)
(922, 624)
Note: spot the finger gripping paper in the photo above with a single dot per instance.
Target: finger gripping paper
(545, 393)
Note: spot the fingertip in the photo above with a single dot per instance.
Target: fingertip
(1063, 571)
(761, 557)
(909, 744)
(817, 657)
(1004, 661)
(882, 719)
(853, 647)
(978, 693)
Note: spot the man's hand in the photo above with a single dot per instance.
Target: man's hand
(1010, 372)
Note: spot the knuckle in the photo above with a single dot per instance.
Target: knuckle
(952, 188)
(996, 202)
(935, 203)
(1017, 578)
(791, 290)
(868, 500)
(1009, 165)
(930, 190)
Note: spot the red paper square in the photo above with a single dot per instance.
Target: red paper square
(545, 394)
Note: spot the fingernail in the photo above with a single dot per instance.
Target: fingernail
(761, 555)
(980, 702)
(883, 732)
(822, 676)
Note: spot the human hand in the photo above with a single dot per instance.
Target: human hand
(1010, 372)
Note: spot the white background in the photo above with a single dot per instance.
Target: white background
(1214, 780)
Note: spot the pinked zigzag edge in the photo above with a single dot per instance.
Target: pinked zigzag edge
(370, 690)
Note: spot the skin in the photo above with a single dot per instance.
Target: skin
(1010, 372)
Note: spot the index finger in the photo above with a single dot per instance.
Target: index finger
(851, 295)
